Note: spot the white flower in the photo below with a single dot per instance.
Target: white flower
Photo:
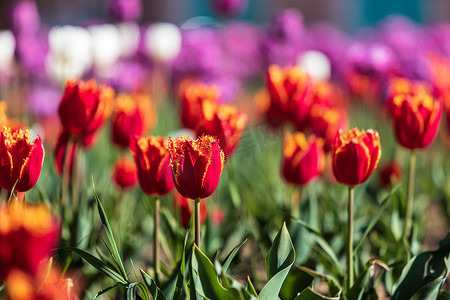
(129, 35)
(70, 52)
(105, 45)
(316, 64)
(8, 45)
(163, 41)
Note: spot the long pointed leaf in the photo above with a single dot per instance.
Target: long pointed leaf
(152, 287)
(230, 256)
(279, 261)
(109, 233)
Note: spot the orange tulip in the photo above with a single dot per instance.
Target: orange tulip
(355, 155)
(85, 106)
(153, 164)
(304, 159)
(416, 119)
(21, 159)
(196, 165)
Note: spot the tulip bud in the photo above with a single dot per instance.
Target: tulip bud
(21, 159)
(355, 155)
(304, 159)
(152, 162)
(196, 165)
(84, 107)
(28, 234)
(290, 99)
(225, 123)
(133, 115)
(125, 173)
(193, 95)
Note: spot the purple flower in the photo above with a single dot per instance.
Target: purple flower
(241, 49)
(200, 53)
(129, 75)
(32, 51)
(229, 7)
(24, 17)
(125, 10)
(43, 99)
(332, 42)
(284, 38)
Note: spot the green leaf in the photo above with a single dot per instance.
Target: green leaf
(333, 286)
(375, 218)
(100, 265)
(424, 274)
(231, 255)
(309, 294)
(357, 291)
(204, 280)
(104, 291)
(109, 233)
(133, 288)
(296, 281)
(443, 295)
(152, 287)
(250, 288)
(174, 287)
(279, 261)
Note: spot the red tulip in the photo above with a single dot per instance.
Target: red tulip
(325, 122)
(290, 96)
(133, 115)
(355, 156)
(416, 119)
(304, 159)
(225, 123)
(21, 159)
(196, 165)
(125, 173)
(406, 87)
(85, 106)
(193, 95)
(390, 173)
(46, 285)
(185, 208)
(152, 162)
(28, 233)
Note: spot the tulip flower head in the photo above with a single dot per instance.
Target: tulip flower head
(289, 95)
(21, 159)
(224, 122)
(325, 122)
(28, 233)
(304, 159)
(193, 95)
(391, 173)
(416, 119)
(355, 155)
(153, 164)
(133, 115)
(125, 173)
(84, 107)
(196, 165)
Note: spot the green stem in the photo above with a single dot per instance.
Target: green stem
(197, 222)
(156, 253)
(350, 237)
(409, 197)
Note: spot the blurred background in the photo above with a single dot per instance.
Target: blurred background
(347, 14)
